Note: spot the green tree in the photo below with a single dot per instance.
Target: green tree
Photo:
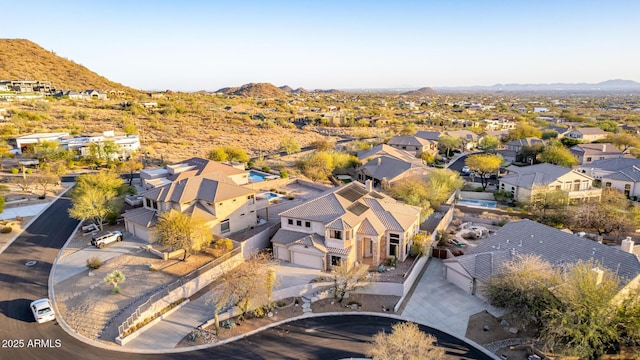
(488, 143)
(549, 134)
(130, 128)
(545, 200)
(405, 342)
(217, 154)
(130, 167)
(413, 192)
(484, 165)
(115, 278)
(524, 130)
(522, 286)
(529, 153)
(427, 157)
(409, 129)
(97, 195)
(608, 125)
(344, 161)
(610, 215)
(585, 323)
(558, 155)
(322, 145)
(2, 202)
(623, 141)
(318, 166)
(290, 146)
(180, 231)
(236, 154)
(449, 143)
(441, 184)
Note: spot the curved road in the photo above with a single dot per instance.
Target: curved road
(329, 337)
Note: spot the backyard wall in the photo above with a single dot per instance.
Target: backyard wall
(259, 241)
(269, 184)
(476, 195)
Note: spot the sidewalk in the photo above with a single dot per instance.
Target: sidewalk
(24, 211)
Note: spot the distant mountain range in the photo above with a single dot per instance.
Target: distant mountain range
(609, 85)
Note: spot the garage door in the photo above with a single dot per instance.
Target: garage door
(460, 280)
(308, 260)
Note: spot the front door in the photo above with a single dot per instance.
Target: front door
(368, 247)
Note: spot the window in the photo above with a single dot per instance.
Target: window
(589, 159)
(335, 260)
(307, 224)
(335, 234)
(224, 226)
(627, 189)
(251, 200)
(148, 202)
(298, 222)
(290, 221)
(607, 185)
(242, 214)
(576, 185)
(394, 245)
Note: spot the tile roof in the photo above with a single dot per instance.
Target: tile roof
(552, 245)
(591, 131)
(288, 237)
(384, 149)
(408, 141)
(207, 188)
(199, 166)
(539, 174)
(614, 164)
(429, 135)
(141, 216)
(386, 167)
(525, 142)
(596, 149)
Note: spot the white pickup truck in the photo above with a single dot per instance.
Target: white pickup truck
(100, 240)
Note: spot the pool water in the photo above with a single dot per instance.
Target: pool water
(255, 176)
(489, 204)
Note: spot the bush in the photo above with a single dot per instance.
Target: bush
(290, 197)
(479, 189)
(284, 174)
(392, 261)
(94, 263)
(502, 222)
(6, 229)
(15, 170)
(29, 171)
(266, 169)
(222, 246)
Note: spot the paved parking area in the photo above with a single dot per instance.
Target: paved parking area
(442, 305)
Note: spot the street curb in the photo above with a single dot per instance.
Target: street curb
(3, 248)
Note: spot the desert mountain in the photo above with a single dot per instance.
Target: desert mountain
(23, 59)
(286, 88)
(421, 92)
(259, 90)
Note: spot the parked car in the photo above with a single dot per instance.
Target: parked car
(42, 311)
(465, 170)
(457, 243)
(100, 240)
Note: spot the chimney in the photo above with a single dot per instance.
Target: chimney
(604, 147)
(599, 275)
(379, 161)
(627, 245)
(368, 185)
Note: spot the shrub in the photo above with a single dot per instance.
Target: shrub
(266, 169)
(284, 174)
(29, 171)
(502, 222)
(15, 170)
(290, 197)
(94, 263)
(479, 189)
(222, 246)
(6, 229)
(392, 261)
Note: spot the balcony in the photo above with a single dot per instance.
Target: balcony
(585, 194)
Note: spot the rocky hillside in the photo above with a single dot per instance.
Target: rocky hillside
(256, 90)
(425, 91)
(23, 59)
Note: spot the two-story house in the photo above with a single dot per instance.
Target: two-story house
(622, 174)
(351, 223)
(524, 182)
(226, 206)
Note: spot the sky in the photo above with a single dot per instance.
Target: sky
(206, 45)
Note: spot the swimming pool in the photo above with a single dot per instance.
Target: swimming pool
(257, 176)
(488, 204)
(269, 195)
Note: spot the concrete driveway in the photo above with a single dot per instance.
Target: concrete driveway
(442, 305)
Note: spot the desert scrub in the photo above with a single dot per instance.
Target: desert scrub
(94, 263)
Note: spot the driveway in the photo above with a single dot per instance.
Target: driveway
(442, 305)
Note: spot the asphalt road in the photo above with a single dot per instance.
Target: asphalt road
(22, 338)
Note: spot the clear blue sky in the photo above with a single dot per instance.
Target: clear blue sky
(205, 45)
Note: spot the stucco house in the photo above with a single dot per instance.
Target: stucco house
(384, 164)
(155, 177)
(524, 182)
(587, 134)
(350, 223)
(472, 271)
(226, 206)
(618, 173)
(413, 144)
(588, 153)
